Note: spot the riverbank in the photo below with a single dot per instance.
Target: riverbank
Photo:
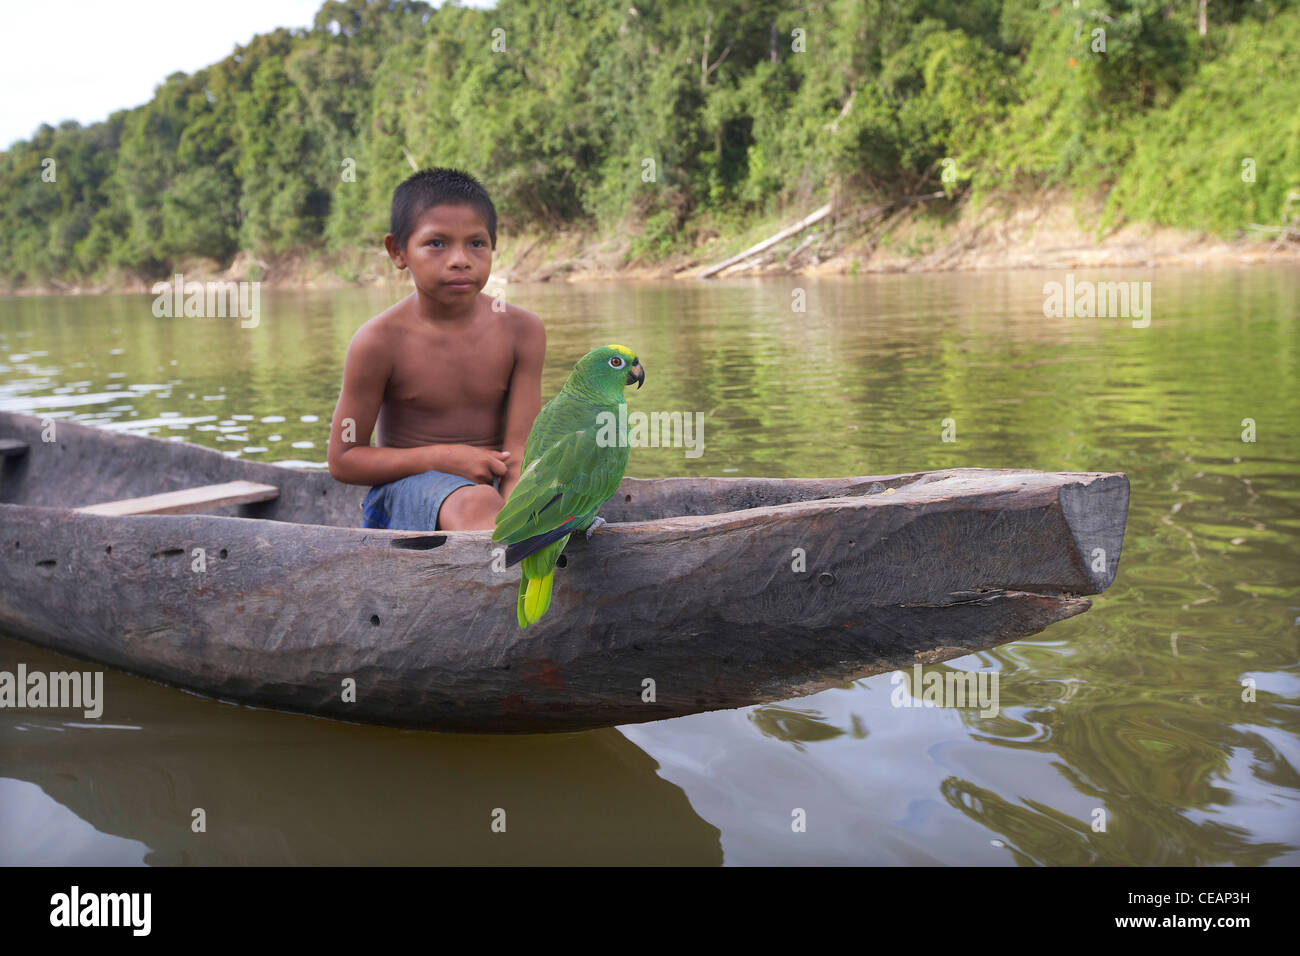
(1049, 232)
(1045, 232)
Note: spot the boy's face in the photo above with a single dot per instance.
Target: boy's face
(449, 253)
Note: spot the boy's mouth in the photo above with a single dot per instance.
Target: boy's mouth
(460, 285)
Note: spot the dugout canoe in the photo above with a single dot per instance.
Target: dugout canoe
(723, 592)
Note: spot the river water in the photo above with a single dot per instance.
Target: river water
(1161, 727)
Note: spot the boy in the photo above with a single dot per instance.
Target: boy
(453, 385)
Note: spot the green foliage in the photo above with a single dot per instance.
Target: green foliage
(1193, 161)
(739, 108)
(1135, 104)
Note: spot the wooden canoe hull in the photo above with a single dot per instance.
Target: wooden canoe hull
(711, 608)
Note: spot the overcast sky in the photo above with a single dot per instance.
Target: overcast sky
(83, 59)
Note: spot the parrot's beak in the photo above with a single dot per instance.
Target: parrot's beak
(635, 373)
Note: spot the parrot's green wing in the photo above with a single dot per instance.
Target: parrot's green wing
(563, 488)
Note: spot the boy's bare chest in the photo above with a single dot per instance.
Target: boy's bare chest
(440, 372)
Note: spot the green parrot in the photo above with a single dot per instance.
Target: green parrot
(573, 462)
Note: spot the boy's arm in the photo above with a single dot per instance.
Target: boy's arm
(351, 460)
(524, 399)
(365, 377)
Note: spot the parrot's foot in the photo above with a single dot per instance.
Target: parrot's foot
(596, 522)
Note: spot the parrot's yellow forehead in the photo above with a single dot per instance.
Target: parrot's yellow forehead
(624, 350)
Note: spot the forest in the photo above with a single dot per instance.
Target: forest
(669, 120)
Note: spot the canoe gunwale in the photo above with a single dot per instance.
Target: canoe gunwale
(682, 528)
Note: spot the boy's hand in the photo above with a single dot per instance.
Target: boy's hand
(472, 462)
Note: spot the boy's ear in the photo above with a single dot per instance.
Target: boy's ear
(395, 253)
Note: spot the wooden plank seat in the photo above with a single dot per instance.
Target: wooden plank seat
(188, 501)
(12, 448)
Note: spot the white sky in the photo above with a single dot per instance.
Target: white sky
(84, 59)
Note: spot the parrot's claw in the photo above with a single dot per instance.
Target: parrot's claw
(596, 522)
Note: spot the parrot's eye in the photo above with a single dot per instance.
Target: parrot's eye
(615, 362)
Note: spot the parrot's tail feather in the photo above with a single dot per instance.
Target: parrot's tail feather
(519, 606)
(535, 599)
(522, 549)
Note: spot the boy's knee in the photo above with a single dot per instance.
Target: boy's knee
(470, 508)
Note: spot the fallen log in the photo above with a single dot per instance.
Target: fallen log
(794, 230)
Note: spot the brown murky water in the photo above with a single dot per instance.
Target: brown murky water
(1134, 709)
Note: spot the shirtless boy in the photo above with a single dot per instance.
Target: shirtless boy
(453, 385)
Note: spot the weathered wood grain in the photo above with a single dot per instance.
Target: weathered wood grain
(706, 603)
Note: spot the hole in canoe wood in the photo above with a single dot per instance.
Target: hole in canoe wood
(374, 619)
(826, 578)
(627, 498)
(562, 561)
(222, 552)
(47, 563)
(423, 543)
(109, 549)
(168, 553)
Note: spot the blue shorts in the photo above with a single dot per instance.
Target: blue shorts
(411, 503)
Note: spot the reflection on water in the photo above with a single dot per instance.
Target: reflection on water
(282, 789)
(1133, 716)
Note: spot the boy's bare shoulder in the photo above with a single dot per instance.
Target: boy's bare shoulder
(380, 333)
(524, 326)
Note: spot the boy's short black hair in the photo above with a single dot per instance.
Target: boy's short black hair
(432, 187)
